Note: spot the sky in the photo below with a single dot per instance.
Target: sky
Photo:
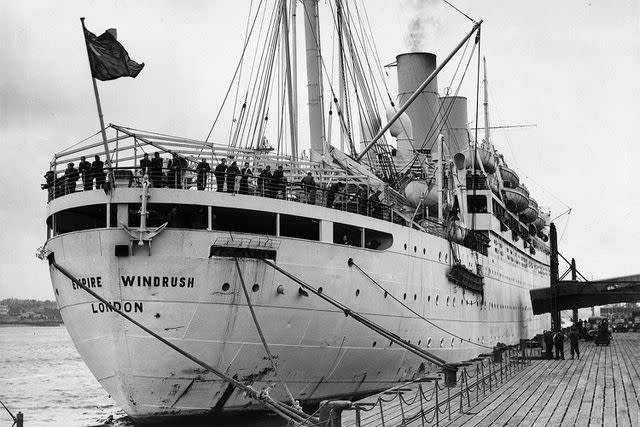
(571, 68)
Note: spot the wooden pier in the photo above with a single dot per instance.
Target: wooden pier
(600, 389)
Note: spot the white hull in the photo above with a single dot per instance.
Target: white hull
(320, 352)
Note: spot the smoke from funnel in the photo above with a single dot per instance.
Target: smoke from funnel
(423, 25)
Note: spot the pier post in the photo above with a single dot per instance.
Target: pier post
(19, 419)
(574, 277)
(554, 279)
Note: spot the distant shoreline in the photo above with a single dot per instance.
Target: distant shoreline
(33, 323)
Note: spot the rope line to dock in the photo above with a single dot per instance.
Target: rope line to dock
(12, 416)
(352, 262)
(287, 412)
(264, 341)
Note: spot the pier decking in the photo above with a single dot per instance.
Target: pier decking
(600, 389)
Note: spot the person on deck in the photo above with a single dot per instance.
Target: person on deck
(264, 182)
(50, 179)
(232, 172)
(219, 172)
(84, 167)
(145, 165)
(333, 190)
(574, 339)
(97, 170)
(309, 186)
(558, 341)
(244, 180)
(71, 175)
(280, 183)
(202, 170)
(156, 170)
(174, 172)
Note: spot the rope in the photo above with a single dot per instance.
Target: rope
(5, 407)
(352, 262)
(366, 322)
(461, 12)
(290, 414)
(264, 341)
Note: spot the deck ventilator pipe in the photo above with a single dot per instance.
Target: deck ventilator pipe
(449, 369)
(290, 414)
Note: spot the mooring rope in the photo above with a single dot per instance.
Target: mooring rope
(264, 341)
(352, 262)
(290, 414)
(368, 323)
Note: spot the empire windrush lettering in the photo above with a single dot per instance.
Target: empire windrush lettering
(89, 282)
(127, 307)
(158, 281)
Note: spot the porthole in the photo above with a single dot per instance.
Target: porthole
(320, 290)
(390, 343)
(429, 342)
(405, 296)
(439, 256)
(424, 251)
(255, 288)
(385, 294)
(357, 292)
(374, 343)
(454, 301)
(446, 257)
(405, 246)
(441, 341)
(429, 298)
(225, 287)
(415, 249)
(452, 340)
(447, 301)
(437, 298)
(415, 297)
(419, 342)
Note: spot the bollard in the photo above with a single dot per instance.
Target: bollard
(450, 373)
(19, 419)
(331, 412)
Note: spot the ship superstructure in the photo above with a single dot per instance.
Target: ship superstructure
(434, 218)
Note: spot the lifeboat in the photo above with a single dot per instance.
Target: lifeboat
(516, 199)
(530, 213)
(482, 155)
(539, 223)
(509, 177)
(419, 192)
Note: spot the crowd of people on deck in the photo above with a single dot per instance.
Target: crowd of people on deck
(228, 178)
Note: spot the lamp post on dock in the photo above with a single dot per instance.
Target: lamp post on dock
(554, 279)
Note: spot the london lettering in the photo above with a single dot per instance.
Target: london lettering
(158, 281)
(89, 282)
(127, 307)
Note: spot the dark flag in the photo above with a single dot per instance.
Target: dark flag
(108, 59)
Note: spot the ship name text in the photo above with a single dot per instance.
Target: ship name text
(89, 282)
(158, 281)
(127, 307)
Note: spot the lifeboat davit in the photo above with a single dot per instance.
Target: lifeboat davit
(530, 213)
(509, 177)
(516, 199)
(482, 155)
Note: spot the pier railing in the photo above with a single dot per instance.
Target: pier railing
(429, 401)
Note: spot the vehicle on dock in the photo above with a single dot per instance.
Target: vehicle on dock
(401, 228)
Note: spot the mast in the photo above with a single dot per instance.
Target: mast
(341, 74)
(294, 66)
(314, 79)
(486, 102)
(292, 115)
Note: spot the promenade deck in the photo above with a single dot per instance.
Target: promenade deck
(600, 389)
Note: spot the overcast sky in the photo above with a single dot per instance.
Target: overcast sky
(571, 67)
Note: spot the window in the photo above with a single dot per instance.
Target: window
(300, 227)
(244, 221)
(347, 234)
(477, 203)
(175, 215)
(377, 239)
(80, 218)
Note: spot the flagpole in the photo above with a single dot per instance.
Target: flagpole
(100, 116)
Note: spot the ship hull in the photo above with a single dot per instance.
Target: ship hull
(179, 292)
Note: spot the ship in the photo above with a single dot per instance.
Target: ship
(408, 220)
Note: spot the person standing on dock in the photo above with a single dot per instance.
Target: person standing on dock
(548, 343)
(558, 340)
(574, 339)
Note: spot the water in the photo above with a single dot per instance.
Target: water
(42, 375)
